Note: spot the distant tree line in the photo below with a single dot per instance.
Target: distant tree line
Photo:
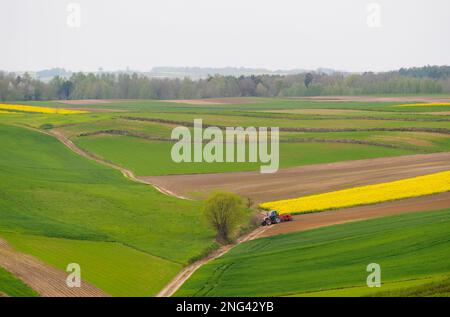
(435, 72)
(424, 80)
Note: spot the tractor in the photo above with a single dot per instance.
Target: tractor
(273, 217)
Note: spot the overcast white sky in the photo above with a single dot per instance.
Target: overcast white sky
(274, 34)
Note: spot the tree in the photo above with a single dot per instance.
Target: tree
(66, 89)
(261, 90)
(222, 212)
(422, 80)
(308, 79)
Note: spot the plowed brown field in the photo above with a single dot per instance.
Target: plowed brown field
(306, 180)
(328, 218)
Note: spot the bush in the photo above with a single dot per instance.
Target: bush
(46, 126)
(223, 212)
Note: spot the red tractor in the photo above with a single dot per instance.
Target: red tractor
(273, 217)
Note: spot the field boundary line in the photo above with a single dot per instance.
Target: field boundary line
(287, 140)
(298, 129)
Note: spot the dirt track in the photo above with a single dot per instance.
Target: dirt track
(316, 220)
(44, 279)
(328, 218)
(294, 182)
(125, 172)
(300, 181)
(182, 276)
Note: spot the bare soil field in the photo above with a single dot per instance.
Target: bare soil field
(375, 99)
(328, 218)
(305, 180)
(215, 101)
(44, 279)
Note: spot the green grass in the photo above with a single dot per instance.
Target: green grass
(117, 269)
(149, 129)
(420, 142)
(60, 207)
(153, 157)
(392, 288)
(407, 247)
(37, 120)
(368, 115)
(438, 288)
(47, 190)
(13, 287)
(283, 122)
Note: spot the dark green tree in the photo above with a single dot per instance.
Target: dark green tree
(308, 79)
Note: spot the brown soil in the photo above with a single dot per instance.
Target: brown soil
(85, 102)
(306, 180)
(215, 101)
(328, 218)
(376, 99)
(44, 279)
(316, 220)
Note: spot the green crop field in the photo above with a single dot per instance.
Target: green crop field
(47, 190)
(432, 285)
(115, 268)
(11, 286)
(153, 157)
(162, 159)
(63, 208)
(407, 247)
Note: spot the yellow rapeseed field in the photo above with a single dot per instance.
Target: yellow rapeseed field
(370, 194)
(25, 108)
(441, 104)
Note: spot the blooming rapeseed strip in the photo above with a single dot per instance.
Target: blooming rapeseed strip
(370, 194)
(24, 108)
(441, 104)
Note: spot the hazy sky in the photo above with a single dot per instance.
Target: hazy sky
(274, 34)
